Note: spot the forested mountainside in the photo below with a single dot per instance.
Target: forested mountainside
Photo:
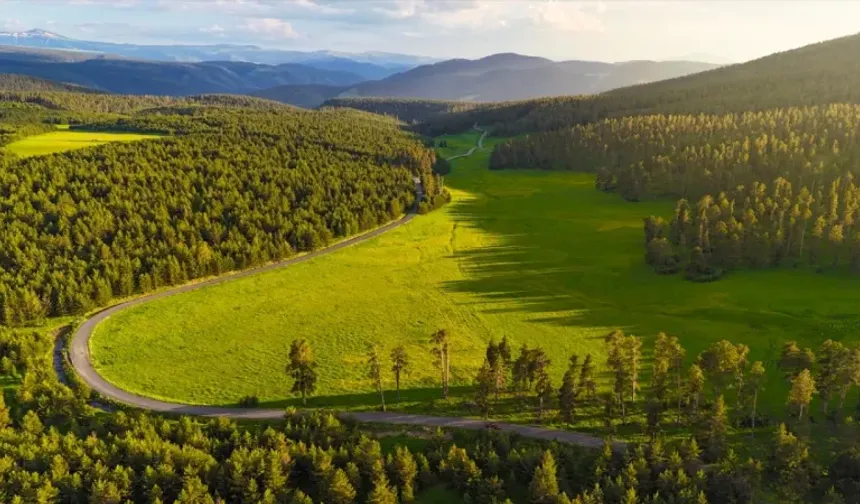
(404, 109)
(817, 74)
(15, 82)
(758, 189)
(502, 77)
(234, 186)
(128, 76)
(374, 65)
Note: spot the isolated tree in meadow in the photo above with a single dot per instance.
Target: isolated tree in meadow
(569, 390)
(802, 390)
(833, 357)
(442, 352)
(374, 372)
(484, 385)
(793, 360)
(543, 488)
(302, 369)
(755, 384)
(399, 365)
(695, 386)
(587, 385)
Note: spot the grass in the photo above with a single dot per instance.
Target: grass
(65, 140)
(541, 257)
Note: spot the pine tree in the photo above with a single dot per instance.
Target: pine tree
(374, 372)
(382, 492)
(543, 383)
(695, 385)
(755, 384)
(441, 350)
(399, 365)
(587, 386)
(832, 358)
(567, 393)
(405, 471)
(543, 488)
(337, 488)
(717, 422)
(301, 369)
(802, 390)
(484, 388)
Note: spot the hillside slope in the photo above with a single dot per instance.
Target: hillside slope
(503, 77)
(128, 76)
(15, 82)
(826, 72)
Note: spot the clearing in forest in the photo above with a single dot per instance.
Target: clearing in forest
(541, 257)
(65, 140)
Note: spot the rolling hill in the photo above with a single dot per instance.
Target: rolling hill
(503, 77)
(14, 82)
(130, 76)
(371, 65)
(822, 73)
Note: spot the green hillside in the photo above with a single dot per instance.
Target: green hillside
(818, 74)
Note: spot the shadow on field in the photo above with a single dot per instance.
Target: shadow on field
(550, 267)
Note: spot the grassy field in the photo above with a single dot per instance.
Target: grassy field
(64, 140)
(541, 257)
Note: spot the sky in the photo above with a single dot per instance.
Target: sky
(605, 30)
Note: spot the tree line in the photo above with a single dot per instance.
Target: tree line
(236, 188)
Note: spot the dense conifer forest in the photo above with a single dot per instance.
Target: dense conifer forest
(405, 109)
(239, 183)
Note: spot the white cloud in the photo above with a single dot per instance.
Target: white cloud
(272, 28)
(212, 29)
(489, 14)
(13, 25)
(566, 16)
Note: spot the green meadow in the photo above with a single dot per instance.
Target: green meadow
(541, 257)
(65, 140)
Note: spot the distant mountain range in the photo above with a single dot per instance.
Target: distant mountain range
(369, 65)
(132, 76)
(500, 77)
(309, 79)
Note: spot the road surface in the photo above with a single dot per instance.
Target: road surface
(79, 356)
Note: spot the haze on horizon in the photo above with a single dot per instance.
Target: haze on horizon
(717, 31)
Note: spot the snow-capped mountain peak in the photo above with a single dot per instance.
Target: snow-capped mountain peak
(36, 33)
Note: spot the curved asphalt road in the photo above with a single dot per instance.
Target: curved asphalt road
(79, 355)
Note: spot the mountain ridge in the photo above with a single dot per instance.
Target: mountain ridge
(500, 77)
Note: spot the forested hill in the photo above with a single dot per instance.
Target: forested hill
(15, 82)
(238, 182)
(827, 72)
(133, 76)
(405, 109)
(502, 77)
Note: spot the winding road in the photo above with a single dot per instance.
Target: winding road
(79, 356)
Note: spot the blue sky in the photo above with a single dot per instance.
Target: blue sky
(594, 30)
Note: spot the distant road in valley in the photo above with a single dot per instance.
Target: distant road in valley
(79, 355)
